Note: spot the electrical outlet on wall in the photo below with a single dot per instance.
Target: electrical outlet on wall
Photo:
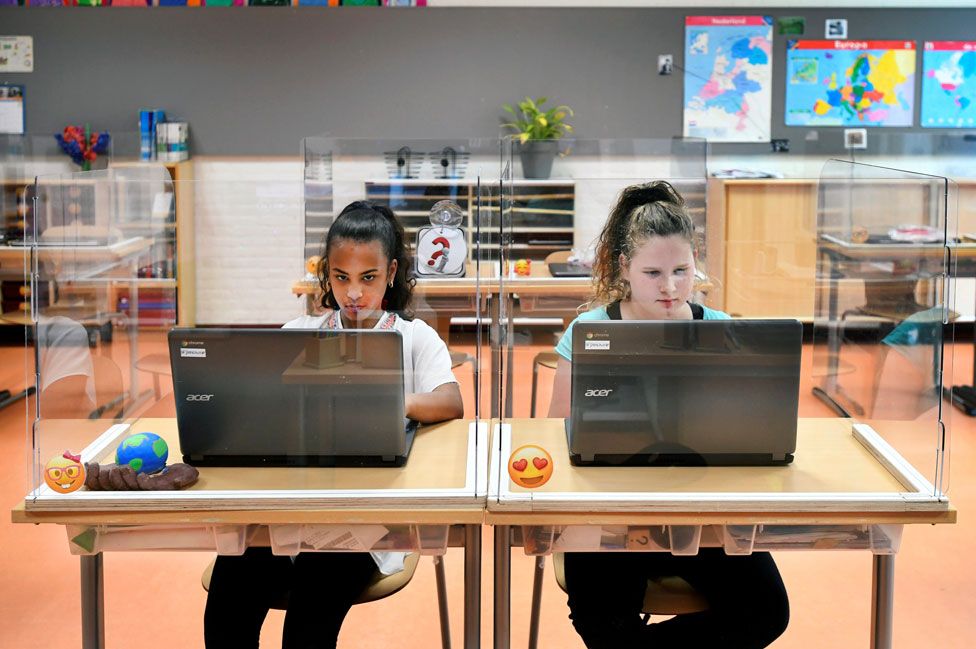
(665, 64)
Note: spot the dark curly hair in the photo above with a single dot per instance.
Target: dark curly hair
(364, 221)
(642, 211)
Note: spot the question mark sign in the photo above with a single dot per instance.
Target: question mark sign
(445, 248)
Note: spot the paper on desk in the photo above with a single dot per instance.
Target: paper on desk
(358, 538)
(883, 266)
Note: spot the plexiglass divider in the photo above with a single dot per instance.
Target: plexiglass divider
(745, 381)
(94, 237)
(543, 289)
(445, 193)
(888, 253)
(528, 251)
(213, 392)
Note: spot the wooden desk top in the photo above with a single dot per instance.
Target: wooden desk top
(896, 251)
(538, 282)
(837, 476)
(438, 483)
(114, 252)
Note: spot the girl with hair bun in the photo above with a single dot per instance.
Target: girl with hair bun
(645, 270)
(366, 284)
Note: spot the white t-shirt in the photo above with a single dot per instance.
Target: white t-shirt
(62, 351)
(426, 366)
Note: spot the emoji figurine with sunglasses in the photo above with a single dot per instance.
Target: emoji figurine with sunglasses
(64, 474)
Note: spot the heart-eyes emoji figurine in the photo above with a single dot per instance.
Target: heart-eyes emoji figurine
(530, 466)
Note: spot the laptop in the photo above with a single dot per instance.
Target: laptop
(567, 269)
(290, 397)
(686, 393)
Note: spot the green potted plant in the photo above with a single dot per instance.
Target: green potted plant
(537, 129)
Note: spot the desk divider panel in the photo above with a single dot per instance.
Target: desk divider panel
(255, 417)
(743, 385)
(888, 252)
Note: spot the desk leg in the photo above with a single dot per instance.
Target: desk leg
(472, 586)
(92, 602)
(6, 398)
(503, 586)
(882, 600)
(495, 347)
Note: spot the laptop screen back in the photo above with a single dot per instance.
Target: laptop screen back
(685, 392)
(281, 397)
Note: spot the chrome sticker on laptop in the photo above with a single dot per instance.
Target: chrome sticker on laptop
(597, 345)
(186, 352)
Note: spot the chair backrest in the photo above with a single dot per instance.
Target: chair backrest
(663, 596)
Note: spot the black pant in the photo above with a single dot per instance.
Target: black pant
(747, 602)
(322, 587)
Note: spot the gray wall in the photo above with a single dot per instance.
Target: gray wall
(256, 80)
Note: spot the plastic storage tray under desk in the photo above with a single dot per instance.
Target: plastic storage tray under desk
(284, 539)
(688, 539)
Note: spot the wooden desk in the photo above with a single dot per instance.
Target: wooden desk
(538, 283)
(762, 242)
(437, 498)
(867, 263)
(447, 296)
(115, 252)
(846, 489)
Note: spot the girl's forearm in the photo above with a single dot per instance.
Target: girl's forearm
(440, 405)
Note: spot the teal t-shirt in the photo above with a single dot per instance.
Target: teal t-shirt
(565, 346)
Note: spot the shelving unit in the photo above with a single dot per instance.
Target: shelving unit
(318, 214)
(166, 292)
(16, 219)
(543, 212)
(166, 288)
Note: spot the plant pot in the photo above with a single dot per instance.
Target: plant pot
(537, 157)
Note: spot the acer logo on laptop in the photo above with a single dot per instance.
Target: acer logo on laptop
(598, 393)
(199, 397)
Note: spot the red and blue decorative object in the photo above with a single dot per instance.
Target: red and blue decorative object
(82, 145)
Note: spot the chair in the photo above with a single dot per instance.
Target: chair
(889, 304)
(460, 358)
(157, 365)
(542, 359)
(380, 586)
(663, 596)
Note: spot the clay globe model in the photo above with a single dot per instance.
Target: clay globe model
(144, 452)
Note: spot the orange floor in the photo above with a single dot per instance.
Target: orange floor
(156, 597)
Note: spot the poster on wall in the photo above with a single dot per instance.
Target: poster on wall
(12, 109)
(728, 78)
(949, 84)
(850, 83)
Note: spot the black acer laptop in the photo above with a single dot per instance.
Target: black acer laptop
(688, 392)
(290, 397)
